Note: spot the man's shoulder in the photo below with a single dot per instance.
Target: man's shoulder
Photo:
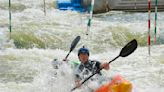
(74, 63)
(94, 61)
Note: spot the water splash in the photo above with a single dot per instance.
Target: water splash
(30, 70)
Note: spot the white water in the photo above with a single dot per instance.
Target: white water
(30, 70)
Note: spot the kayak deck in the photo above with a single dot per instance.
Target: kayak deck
(118, 84)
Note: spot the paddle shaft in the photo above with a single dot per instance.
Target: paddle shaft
(67, 55)
(113, 59)
(98, 70)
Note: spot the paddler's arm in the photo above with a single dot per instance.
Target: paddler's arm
(77, 80)
(105, 66)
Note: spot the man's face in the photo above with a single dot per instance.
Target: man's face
(83, 57)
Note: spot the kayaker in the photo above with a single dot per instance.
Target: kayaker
(87, 67)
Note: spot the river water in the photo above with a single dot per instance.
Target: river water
(36, 39)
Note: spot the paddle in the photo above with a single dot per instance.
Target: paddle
(73, 45)
(127, 50)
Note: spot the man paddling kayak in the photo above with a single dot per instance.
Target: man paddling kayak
(87, 67)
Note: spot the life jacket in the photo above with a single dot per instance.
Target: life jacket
(84, 70)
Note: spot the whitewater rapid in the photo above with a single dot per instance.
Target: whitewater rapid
(26, 59)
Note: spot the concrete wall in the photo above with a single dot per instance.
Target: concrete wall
(123, 5)
(99, 7)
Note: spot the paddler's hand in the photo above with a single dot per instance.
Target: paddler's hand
(105, 66)
(77, 83)
(66, 60)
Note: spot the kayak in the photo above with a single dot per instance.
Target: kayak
(118, 84)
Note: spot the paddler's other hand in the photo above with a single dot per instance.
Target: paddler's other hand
(66, 60)
(105, 66)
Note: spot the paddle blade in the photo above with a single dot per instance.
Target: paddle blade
(74, 43)
(129, 48)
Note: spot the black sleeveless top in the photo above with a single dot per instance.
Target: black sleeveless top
(84, 70)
